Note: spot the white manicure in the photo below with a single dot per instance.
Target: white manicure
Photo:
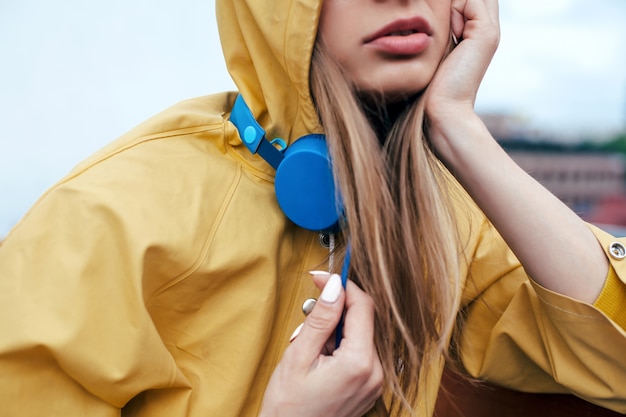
(296, 332)
(319, 273)
(332, 290)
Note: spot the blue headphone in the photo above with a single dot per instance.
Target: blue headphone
(304, 183)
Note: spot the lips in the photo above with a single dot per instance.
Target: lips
(402, 27)
(401, 37)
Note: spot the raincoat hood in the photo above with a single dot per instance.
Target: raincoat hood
(268, 45)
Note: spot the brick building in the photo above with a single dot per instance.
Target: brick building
(584, 181)
(592, 183)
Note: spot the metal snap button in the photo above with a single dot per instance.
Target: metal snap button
(324, 239)
(617, 250)
(308, 305)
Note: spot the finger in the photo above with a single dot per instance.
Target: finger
(493, 10)
(457, 20)
(474, 11)
(359, 318)
(320, 323)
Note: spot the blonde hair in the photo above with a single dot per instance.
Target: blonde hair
(399, 225)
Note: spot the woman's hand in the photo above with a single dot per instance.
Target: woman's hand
(532, 221)
(452, 93)
(314, 379)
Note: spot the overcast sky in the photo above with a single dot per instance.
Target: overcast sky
(75, 74)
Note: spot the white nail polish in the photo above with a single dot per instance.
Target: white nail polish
(332, 290)
(296, 332)
(319, 273)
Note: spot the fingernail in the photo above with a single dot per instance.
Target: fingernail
(296, 332)
(319, 273)
(332, 290)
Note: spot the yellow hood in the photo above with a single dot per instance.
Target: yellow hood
(267, 45)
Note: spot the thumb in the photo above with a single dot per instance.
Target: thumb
(320, 324)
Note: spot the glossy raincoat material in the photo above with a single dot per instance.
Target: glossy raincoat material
(159, 277)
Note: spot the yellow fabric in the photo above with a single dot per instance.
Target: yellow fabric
(612, 299)
(535, 340)
(268, 46)
(160, 278)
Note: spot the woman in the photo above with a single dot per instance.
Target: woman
(161, 277)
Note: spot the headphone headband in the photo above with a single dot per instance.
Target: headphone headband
(252, 134)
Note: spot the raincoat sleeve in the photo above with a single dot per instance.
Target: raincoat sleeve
(522, 336)
(76, 338)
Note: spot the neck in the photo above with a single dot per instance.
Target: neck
(383, 115)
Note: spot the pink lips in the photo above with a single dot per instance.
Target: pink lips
(401, 37)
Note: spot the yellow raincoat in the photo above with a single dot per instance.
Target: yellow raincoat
(160, 278)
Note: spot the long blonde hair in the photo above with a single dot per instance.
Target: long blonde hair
(399, 225)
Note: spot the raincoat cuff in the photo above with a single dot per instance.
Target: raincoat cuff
(612, 299)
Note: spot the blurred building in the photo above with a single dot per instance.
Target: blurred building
(592, 183)
(581, 180)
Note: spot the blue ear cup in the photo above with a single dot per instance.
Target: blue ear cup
(304, 184)
(305, 188)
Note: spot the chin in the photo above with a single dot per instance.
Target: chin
(393, 86)
(392, 92)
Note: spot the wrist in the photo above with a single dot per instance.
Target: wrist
(457, 135)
